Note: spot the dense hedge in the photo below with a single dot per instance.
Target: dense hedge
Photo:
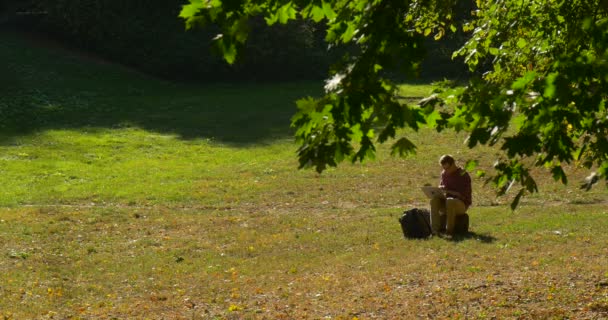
(148, 35)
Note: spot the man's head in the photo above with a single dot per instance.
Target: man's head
(447, 163)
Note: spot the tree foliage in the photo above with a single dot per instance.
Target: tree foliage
(538, 90)
(547, 82)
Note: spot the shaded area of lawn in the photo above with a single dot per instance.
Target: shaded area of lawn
(44, 87)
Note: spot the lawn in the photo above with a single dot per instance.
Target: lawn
(127, 197)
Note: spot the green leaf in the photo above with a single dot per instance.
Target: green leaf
(522, 82)
(317, 13)
(230, 53)
(286, 12)
(349, 33)
(189, 13)
(519, 121)
(433, 118)
(190, 10)
(356, 133)
(471, 165)
(227, 47)
(521, 43)
(366, 151)
(240, 30)
(328, 11)
(272, 18)
(550, 85)
(522, 144)
(457, 123)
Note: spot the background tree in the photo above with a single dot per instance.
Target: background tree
(538, 90)
(148, 36)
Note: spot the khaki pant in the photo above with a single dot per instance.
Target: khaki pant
(450, 207)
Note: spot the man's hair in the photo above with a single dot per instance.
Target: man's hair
(446, 158)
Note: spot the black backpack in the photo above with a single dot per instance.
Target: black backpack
(416, 223)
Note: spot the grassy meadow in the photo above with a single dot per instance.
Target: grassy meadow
(128, 197)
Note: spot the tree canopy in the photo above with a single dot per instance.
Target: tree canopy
(538, 86)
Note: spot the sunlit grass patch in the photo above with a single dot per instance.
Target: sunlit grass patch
(307, 263)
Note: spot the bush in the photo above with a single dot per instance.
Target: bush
(149, 36)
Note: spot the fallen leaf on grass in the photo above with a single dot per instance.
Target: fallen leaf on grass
(234, 308)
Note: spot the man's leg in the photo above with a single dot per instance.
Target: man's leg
(437, 208)
(453, 207)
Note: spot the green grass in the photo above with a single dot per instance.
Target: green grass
(123, 196)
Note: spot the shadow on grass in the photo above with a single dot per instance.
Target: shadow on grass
(473, 236)
(233, 114)
(44, 88)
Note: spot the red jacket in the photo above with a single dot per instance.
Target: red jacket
(459, 181)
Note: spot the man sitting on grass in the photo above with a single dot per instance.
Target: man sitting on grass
(456, 184)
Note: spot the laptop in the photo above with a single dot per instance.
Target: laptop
(432, 192)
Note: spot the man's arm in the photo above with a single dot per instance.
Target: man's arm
(442, 181)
